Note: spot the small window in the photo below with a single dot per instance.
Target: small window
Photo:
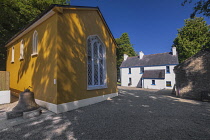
(35, 43)
(168, 83)
(13, 55)
(130, 82)
(167, 69)
(153, 82)
(21, 49)
(141, 70)
(129, 70)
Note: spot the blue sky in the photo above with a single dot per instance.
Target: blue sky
(151, 24)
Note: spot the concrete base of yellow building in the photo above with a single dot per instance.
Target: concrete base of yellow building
(75, 104)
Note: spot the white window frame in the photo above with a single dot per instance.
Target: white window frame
(35, 44)
(13, 55)
(96, 38)
(22, 44)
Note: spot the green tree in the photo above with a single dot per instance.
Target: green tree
(191, 38)
(201, 7)
(124, 47)
(15, 14)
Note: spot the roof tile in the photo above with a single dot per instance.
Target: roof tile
(154, 74)
(151, 60)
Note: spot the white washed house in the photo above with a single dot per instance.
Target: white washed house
(154, 71)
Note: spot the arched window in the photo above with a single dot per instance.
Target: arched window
(35, 43)
(22, 49)
(96, 63)
(13, 55)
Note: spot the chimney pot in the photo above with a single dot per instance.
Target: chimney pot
(141, 54)
(174, 51)
(125, 56)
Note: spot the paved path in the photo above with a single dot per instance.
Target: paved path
(134, 114)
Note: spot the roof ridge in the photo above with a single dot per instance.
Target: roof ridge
(72, 6)
(157, 53)
(149, 54)
(132, 56)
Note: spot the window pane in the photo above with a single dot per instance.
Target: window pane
(89, 74)
(141, 70)
(13, 54)
(35, 42)
(95, 56)
(167, 69)
(89, 64)
(168, 83)
(101, 65)
(21, 48)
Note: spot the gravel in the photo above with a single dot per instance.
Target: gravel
(134, 114)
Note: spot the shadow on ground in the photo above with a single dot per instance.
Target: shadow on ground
(134, 114)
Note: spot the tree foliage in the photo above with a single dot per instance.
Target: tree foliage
(15, 14)
(124, 47)
(191, 38)
(201, 7)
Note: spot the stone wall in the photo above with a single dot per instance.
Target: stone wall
(193, 76)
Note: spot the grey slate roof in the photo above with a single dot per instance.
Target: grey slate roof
(151, 60)
(154, 74)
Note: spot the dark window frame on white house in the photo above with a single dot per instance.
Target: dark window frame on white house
(96, 63)
(168, 83)
(141, 70)
(153, 82)
(129, 70)
(167, 69)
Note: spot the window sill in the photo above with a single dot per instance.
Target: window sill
(12, 62)
(34, 54)
(129, 73)
(96, 87)
(153, 84)
(21, 59)
(141, 73)
(168, 86)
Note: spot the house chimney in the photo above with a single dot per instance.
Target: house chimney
(173, 50)
(141, 54)
(125, 56)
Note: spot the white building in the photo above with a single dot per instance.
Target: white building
(154, 71)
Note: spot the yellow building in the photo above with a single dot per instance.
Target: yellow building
(67, 56)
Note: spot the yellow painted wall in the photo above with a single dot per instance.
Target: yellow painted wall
(74, 26)
(62, 55)
(38, 71)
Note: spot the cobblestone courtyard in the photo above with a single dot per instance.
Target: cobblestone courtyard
(134, 114)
